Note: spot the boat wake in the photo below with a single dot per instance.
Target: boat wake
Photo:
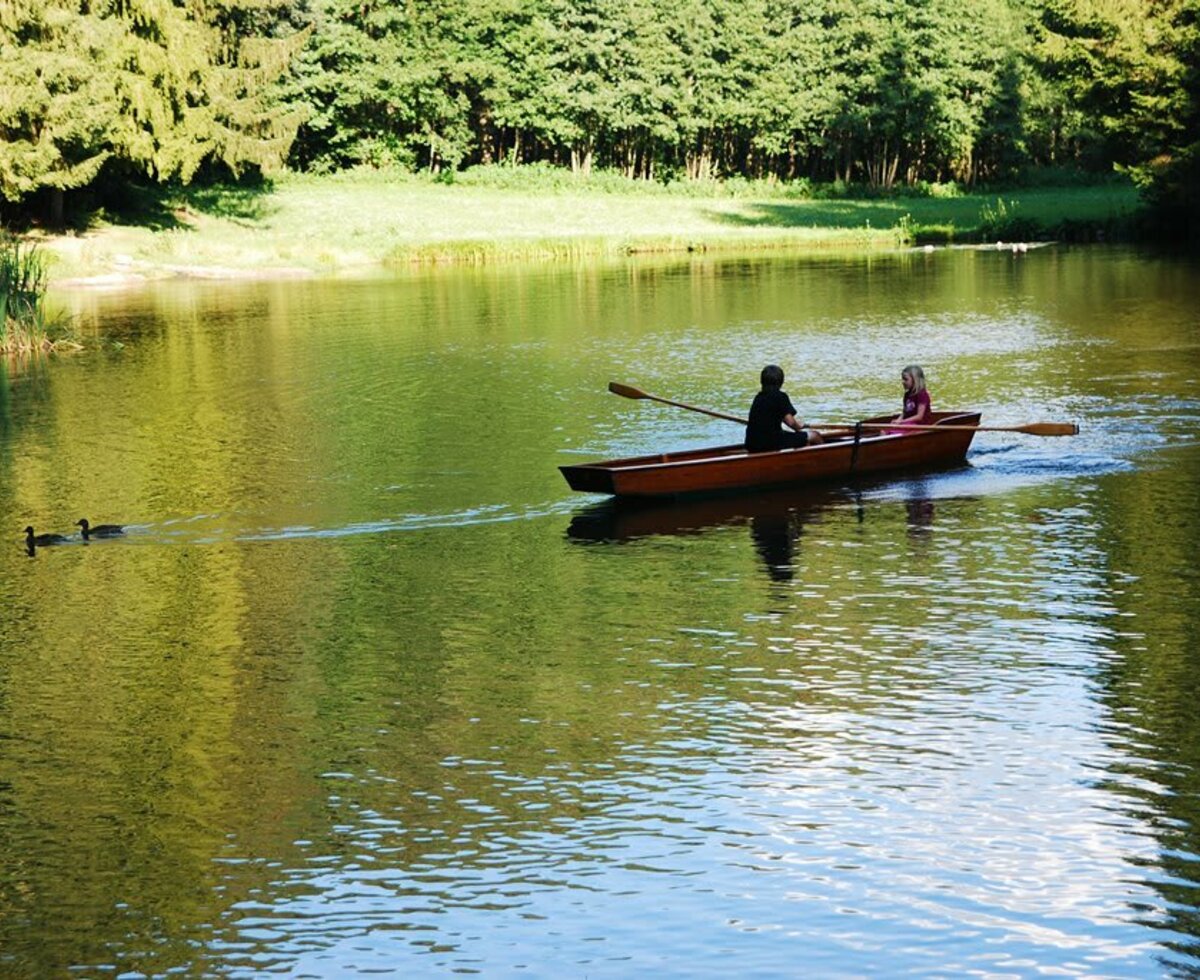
(491, 514)
(216, 528)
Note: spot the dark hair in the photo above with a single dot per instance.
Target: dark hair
(772, 376)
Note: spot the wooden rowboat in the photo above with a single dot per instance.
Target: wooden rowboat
(843, 456)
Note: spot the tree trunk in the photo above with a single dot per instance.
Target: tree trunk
(581, 160)
(57, 208)
(487, 138)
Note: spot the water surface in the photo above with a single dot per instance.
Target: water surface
(366, 688)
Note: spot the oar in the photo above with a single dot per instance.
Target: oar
(1031, 429)
(629, 391)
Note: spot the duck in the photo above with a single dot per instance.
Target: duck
(100, 530)
(41, 540)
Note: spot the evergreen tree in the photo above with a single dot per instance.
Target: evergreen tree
(162, 86)
(192, 82)
(55, 107)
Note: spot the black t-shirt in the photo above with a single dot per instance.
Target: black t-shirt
(767, 413)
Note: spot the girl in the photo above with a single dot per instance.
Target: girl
(917, 407)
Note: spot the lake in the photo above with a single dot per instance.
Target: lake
(365, 687)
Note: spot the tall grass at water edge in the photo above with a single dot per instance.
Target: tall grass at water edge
(24, 323)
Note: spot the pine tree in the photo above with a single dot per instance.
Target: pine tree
(164, 85)
(192, 83)
(55, 106)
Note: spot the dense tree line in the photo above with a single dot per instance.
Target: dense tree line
(865, 90)
(877, 92)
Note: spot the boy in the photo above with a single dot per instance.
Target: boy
(771, 407)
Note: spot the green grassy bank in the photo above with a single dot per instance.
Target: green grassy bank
(304, 225)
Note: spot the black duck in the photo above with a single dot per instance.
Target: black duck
(41, 540)
(100, 530)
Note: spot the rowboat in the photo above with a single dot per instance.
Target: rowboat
(844, 455)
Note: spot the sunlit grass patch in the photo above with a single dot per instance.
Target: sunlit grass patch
(341, 222)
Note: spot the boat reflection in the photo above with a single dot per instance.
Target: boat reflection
(776, 519)
(625, 519)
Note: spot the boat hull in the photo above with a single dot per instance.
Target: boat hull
(730, 468)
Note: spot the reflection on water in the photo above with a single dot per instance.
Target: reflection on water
(920, 513)
(623, 519)
(348, 699)
(774, 537)
(4, 397)
(775, 518)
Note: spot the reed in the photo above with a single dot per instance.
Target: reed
(24, 323)
(22, 286)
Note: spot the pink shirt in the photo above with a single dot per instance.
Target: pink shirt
(913, 402)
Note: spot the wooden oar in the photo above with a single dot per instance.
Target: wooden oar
(1031, 429)
(629, 391)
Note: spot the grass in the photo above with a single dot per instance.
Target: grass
(22, 286)
(306, 224)
(25, 326)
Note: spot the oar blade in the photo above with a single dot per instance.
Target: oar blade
(1050, 429)
(626, 391)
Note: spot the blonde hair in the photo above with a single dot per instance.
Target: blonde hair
(918, 376)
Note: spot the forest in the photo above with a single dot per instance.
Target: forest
(876, 95)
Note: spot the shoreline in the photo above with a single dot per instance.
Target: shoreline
(479, 256)
(311, 228)
(169, 273)
(226, 274)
